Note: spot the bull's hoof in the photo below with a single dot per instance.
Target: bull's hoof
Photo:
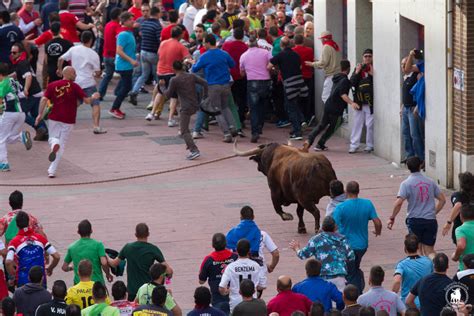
(301, 230)
(286, 217)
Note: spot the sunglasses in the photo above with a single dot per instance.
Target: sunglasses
(14, 52)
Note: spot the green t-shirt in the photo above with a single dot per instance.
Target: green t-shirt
(144, 296)
(140, 256)
(106, 311)
(466, 231)
(8, 94)
(276, 46)
(90, 249)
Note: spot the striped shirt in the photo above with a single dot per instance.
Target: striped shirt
(78, 8)
(151, 33)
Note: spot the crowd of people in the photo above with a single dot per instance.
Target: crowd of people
(236, 270)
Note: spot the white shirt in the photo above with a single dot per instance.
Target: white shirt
(85, 61)
(266, 242)
(188, 20)
(237, 271)
(198, 18)
(262, 43)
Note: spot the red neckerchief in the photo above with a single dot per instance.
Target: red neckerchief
(19, 59)
(25, 231)
(331, 43)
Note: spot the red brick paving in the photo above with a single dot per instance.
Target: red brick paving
(184, 209)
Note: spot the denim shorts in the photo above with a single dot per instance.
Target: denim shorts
(424, 229)
(89, 92)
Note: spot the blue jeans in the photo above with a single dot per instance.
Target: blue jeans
(137, 71)
(109, 70)
(294, 114)
(412, 130)
(148, 62)
(355, 275)
(30, 106)
(258, 96)
(123, 87)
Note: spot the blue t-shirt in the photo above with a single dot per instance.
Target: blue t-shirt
(412, 269)
(209, 311)
(9, 35)
(319, 290)
(129, 46)
(216, 64)
(352, 218)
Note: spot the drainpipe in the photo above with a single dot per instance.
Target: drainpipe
(450, 96)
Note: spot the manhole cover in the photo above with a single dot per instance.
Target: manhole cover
(132, 134)
(168, 140)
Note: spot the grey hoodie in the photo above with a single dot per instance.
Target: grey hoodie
(28, 297)
(334, 202)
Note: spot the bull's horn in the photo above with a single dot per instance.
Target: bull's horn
(246, 153)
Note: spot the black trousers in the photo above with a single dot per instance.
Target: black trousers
(239, 93)
(330, 122)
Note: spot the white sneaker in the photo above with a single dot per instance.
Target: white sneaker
(149, 106)
(149, 117)
(352, 150)
(197, 135)
(172, 123)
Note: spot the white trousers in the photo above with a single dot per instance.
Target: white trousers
(58, 134)
(360, 118)
(10, 132)
(327, 87)
(339, 282)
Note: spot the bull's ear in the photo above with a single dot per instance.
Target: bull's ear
(254, 158)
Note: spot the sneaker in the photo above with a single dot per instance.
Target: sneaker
(172, 123)
(133, 99)
(320, 148)
(304, 126)
(197, 135)
(99, 130)
(282, 124)
(240, 133)
(233, 132)
(368, 149)
(120, 112)
(352, 150)
(193, 155)
(4, 167)
(116, 114)
(227, 138)
(52, 154)
(51, 175)
(212, 121)
(149, 117)
(26, 140)
(254, 138)
(156, 116)
(143, 90)
(149, 107)
(296, 137)
(41, 134)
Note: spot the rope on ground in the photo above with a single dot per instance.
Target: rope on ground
(118, 179)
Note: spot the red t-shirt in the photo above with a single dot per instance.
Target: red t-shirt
(166, 33)
(235, 49)
(170, 51)
(110, 38)
(47, 36)
(287, 302)
(64, 95)
(68, 23)
(306, 54)
(137, 12)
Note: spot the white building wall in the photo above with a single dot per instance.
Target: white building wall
(387, 37)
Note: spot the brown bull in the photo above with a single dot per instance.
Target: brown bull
(294, 176)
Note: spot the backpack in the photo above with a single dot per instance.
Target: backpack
(365, 91)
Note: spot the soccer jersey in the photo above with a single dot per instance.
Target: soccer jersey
(144, 296)
(125, 307)
(81, 295)
(9, 95)
(29, 249)
(235, 273)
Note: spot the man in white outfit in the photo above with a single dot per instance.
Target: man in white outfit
(64, 96)
(13, 117)
(362, 82)
(329, 62)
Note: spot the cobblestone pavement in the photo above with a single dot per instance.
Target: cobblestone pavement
(186, 207)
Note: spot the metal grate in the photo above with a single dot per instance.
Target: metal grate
(168, 140)
(133, 134)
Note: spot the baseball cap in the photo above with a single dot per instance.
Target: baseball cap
(28, 1)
